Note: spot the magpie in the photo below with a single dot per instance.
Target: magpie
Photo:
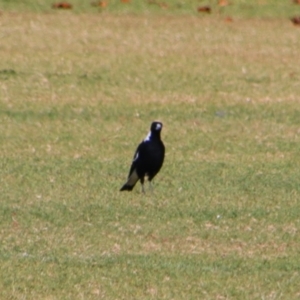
(148, 158)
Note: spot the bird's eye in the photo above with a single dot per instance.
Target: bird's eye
(158, 126)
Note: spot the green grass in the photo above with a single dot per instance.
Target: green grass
(78, 92)
(236, 8)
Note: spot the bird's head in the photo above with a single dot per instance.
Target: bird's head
(156, 126)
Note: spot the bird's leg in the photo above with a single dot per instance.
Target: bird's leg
(142, 182)
(150, 186)
(143, 189)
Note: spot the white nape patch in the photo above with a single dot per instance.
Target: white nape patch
(148, 137)
(136, 156)
(158, 126)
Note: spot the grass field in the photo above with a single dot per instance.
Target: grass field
(78, 91)
(236, 8)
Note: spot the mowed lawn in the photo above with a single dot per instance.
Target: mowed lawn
(78, 92)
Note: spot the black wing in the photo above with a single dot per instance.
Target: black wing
(138, 157)
(133, 176)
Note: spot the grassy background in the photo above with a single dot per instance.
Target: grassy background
(78, 92)
(236, 8)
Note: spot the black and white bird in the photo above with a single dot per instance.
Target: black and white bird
(148, 158)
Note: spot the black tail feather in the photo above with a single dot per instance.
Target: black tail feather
(132, 180)
(127, 187)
